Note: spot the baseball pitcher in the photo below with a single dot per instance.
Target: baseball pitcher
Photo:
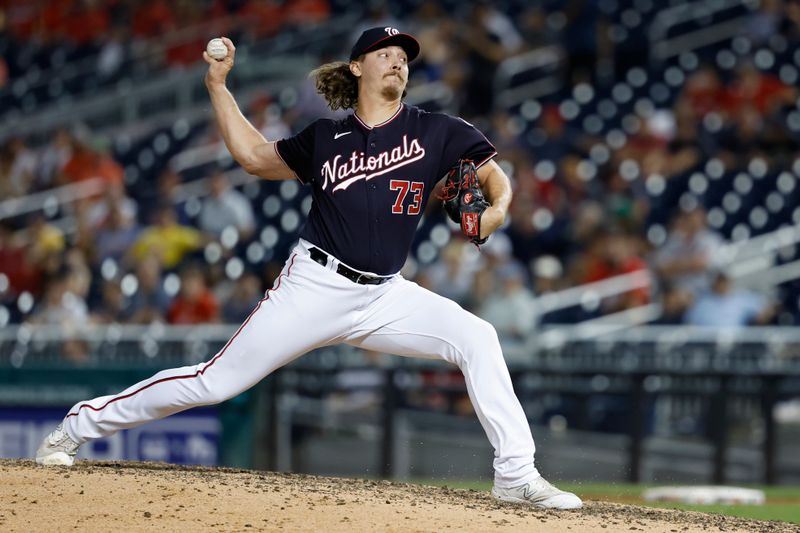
(371, 175)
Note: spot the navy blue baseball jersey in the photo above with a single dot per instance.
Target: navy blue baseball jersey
(371, 184)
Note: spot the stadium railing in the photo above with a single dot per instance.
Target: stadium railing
(50, 200)
(528, 76)
(692, 25)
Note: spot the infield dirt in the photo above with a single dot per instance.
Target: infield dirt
(111, 496)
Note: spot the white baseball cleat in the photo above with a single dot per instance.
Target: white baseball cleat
(57, 449)
(538, 493)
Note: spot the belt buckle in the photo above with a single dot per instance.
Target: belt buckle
(360, 277)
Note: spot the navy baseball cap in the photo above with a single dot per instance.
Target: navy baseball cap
(375, 38)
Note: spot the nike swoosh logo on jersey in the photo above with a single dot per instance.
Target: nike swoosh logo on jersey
(336, 136)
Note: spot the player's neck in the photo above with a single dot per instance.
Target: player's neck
(372, 112)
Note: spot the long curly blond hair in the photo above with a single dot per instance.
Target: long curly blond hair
(336, 84)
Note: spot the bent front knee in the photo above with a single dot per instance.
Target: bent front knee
(480, 337)
(487, 333)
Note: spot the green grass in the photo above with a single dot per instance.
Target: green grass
(783, 503)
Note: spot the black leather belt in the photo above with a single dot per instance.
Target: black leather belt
(357, 277)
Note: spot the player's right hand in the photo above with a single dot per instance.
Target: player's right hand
(218, 70)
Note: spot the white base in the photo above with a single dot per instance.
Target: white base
(706, 495)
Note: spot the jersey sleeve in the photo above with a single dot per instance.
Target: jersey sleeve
(297, 152)
(464, 141)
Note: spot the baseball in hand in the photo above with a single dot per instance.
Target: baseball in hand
(217, 49)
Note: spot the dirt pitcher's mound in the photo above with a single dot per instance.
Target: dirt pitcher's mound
(108, 496)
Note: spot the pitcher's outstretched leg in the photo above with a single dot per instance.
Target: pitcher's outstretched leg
(258, 347)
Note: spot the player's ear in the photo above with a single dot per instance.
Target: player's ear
(355, 68)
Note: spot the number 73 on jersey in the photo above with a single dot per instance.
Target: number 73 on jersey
(403, 187)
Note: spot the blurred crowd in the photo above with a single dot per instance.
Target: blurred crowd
(49, 33)
(583, 209)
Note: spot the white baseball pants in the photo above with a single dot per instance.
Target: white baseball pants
(309, 306)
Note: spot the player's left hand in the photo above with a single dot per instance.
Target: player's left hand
(463, 200)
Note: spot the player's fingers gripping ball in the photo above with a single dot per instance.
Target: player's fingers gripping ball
(216, 49)
(463, 199)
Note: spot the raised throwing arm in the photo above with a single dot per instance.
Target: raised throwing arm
(248, 147)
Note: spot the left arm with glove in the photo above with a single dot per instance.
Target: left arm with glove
(478, 213)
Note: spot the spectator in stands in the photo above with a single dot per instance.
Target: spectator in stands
(547, 273)
(225, 207)
(627, 203)
(58, 306)
(17, 264)
(765, 22)
(266, 117)
(183, 52)
(674, 304)
(245, 296)
(790, 25)
(435, 33)
(535, 29)
(495, 254)
(153, 18)
(114, 305)
(505, 132)
(306, 12)
(195, 304)
(166, 191)
(689, 143)
(150, 302)
(62, 308)
(650, 131)
(703, 92)
(86, 23)
(17, 169)
(511, 309)
(310, 104)
(169, 241)
(582, 35)
(724, 305)
(114, 199)
(552, 139)
(762, 90)
(688, 254)
(115, 235)
(578, 182)
(80, 279)
(492, 38)
(92, 161)
(53, 157)
(744, 137)
(46, 240)
(261, 18)
(528, 237)
(452, 276)
(615, 254)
